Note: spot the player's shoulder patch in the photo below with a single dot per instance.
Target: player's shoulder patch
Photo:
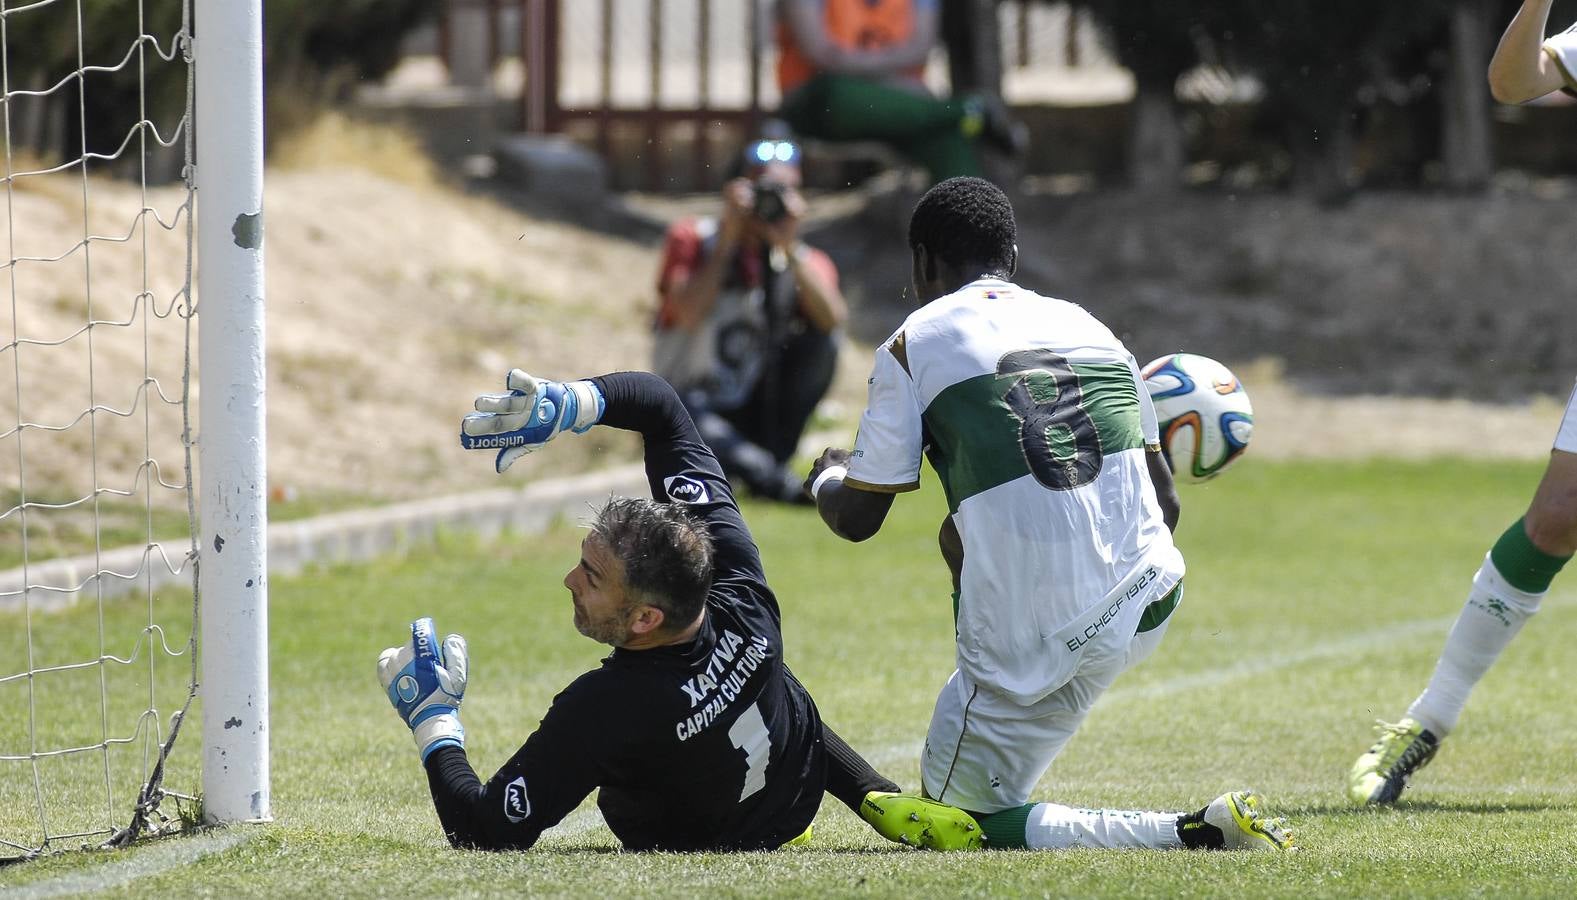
(899, 348)
(685, 489)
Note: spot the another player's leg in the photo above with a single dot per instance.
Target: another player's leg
(986, 754)
(989, 771)
(1506, 592)
(1234, 821)
(918, 821)
(907, 819)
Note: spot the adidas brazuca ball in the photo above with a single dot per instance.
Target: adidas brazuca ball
(1205, 415)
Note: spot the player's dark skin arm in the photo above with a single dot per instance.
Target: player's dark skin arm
(1165, 489)
(855, 515)
(852, 514)
(952, 546)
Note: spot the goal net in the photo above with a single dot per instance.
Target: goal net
(99, 559)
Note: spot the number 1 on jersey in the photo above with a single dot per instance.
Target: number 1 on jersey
(749, 733)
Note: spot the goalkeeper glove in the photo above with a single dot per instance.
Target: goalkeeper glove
(529, 416)
(426, 681)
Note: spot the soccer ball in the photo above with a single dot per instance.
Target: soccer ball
(1204, 413)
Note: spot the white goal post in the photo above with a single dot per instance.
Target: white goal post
(128, 593)
(232, 544)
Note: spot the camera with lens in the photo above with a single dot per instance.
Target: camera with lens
(771, 205)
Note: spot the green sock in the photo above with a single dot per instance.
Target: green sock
(1005, 830)
(1524, 566)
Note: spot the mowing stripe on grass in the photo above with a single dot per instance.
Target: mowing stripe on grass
(1264, 663)
(154, 860)
(1353, 645)
(587, 820)
(1193, 681)
(1349, 646)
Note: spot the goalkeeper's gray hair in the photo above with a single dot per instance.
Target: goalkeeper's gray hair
(666, 552)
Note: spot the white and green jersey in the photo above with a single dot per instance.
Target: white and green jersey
(1563, 49)
(1036, 420)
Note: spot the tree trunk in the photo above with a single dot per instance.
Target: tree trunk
(974, 46)
(1324, 157)
(1155, 137)
(1466, 150)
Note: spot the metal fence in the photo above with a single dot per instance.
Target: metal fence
(639, 71)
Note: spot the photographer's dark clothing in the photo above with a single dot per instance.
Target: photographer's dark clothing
(773, 422)
(753, 371)
(756, 312)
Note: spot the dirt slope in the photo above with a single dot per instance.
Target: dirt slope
(390, 306)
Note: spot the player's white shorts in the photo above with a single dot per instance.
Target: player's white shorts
(984, 752)
(1566, 438)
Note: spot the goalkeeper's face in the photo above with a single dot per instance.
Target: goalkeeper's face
(604, 609)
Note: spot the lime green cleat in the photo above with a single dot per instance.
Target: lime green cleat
(1382, 772)
(804, 838)
(1243, 826)
(914, 821)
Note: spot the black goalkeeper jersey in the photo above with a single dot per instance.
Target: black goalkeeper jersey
(707, 745)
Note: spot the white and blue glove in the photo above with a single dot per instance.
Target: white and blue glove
(529, 415)
(426, 681)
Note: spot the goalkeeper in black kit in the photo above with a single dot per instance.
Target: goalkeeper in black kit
(696, 733)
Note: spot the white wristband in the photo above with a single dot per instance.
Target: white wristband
(437, 728)
(588, 406)
(827, 475)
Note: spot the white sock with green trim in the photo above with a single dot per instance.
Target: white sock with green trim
(1051, 826)
(1494, 613)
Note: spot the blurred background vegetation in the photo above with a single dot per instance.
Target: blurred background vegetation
(315, 54)
(1320, 96)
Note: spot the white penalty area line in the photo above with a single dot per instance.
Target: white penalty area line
(1265, 662)
(1353, 645)
(587, 820)
(1209, 678)
(157, 859)
(1262, 664)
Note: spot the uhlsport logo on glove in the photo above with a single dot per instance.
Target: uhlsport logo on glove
(684, 489)
(517, 806)
(407, 688)
(494, 443)
(545, 413)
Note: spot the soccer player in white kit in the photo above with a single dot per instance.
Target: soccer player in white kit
(1518, 570)
(1038, 424)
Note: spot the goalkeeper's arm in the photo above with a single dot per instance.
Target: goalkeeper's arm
(536, 410)
(459, 797)
(680, 467)
(425, 681)
(542, 783)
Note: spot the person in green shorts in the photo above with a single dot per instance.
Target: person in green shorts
(853, 70)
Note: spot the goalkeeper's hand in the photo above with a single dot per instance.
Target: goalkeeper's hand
(529, 415)
(426, 681)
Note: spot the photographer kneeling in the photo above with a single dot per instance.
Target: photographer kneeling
(748, 320)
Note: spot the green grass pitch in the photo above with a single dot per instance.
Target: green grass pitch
(1318, 597)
